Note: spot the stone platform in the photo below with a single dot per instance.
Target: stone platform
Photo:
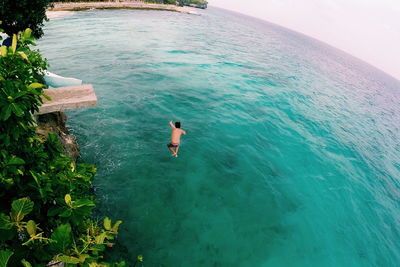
(65, 98)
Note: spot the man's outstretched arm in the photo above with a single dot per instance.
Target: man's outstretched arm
(171, 124)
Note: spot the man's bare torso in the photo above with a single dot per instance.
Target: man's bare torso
(176, 136)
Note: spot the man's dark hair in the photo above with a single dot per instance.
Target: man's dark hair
(177, 124)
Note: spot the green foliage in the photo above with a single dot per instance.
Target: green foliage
(25, 263)
(197, 3)
(63, 237)
(20, 208)
(4, 257)
(18, 15)
(75, 211)
(54, 222)
(167, 2)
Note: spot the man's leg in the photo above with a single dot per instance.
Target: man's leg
(170, 149)
(176, 151)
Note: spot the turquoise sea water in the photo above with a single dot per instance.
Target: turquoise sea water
(292, 156)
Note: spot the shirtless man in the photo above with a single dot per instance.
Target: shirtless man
(175, 138)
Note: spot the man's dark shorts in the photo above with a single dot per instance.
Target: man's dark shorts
(172, 145)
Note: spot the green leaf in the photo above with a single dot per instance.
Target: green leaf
(66, 213)
(4, 257)
(83, 202)
(27, 33)
(47, 97)
(67, 259)
(42, 192)
(68, 199)
(14, 43)
(62, 236)
(34, 175)
(100, 238)
(3, 50)
(5, 222)
(16, 161)
(120, 264)
(116, 226)
(107, 223)
(23, 55)
(25, 263)
(36, 85)
(83, 257)
(18, 95)
(54, 211)
(6, 113)
(17, 110)
(82, 211)
(20, 208)
(31, 227)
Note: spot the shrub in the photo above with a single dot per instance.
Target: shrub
(17, 15)
(167, 2)
(45, 199)
(199, 3)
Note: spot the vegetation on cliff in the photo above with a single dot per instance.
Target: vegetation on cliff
(167, 2)
(45, 197)
(21, 14)
(194, 3)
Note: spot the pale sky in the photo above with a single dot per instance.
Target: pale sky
(367, 29)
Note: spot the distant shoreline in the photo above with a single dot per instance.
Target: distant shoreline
(81, 6)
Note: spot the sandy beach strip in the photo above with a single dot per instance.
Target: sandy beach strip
(58, 14)
(77, 6)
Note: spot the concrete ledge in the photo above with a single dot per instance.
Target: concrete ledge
(65, 98)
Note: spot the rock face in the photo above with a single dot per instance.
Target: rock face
(56, 123)
(54, 263)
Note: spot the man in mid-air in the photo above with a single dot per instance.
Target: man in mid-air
(176, 133)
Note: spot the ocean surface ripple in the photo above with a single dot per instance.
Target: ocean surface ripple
(292, 156)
